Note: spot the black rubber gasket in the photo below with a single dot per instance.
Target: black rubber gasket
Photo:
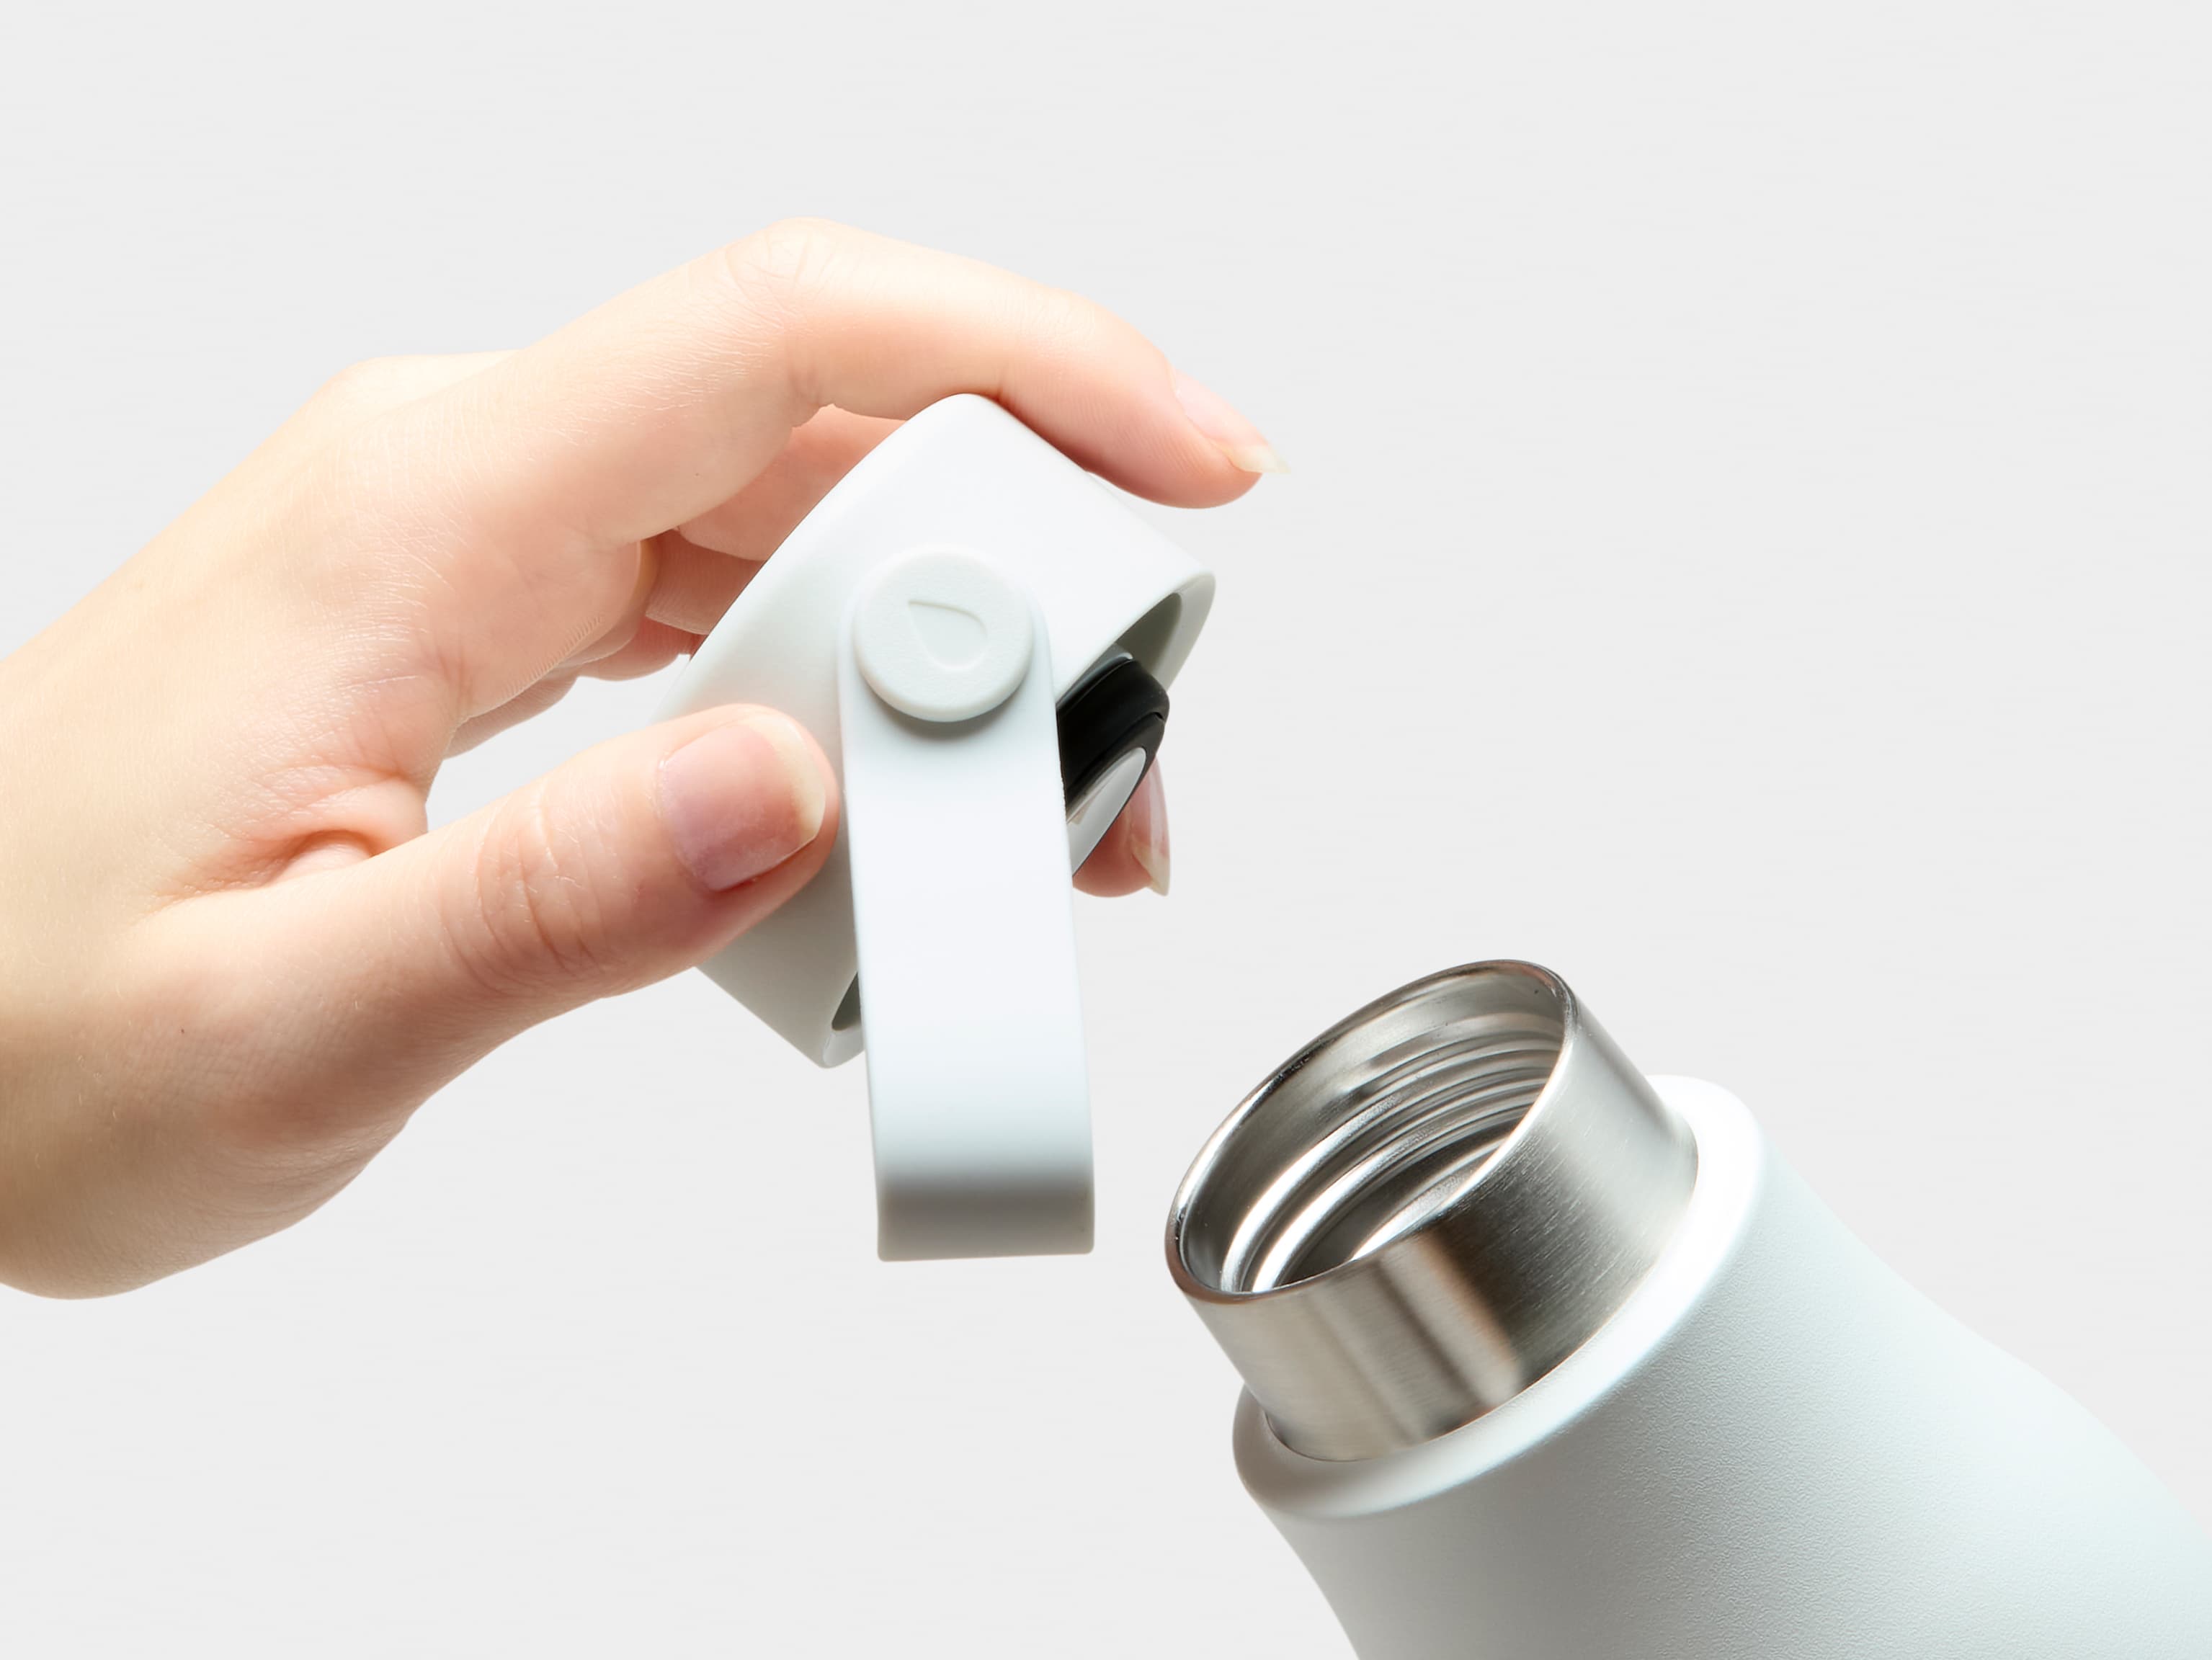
(1115, 708)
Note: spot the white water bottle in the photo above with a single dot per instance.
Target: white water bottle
(1546, 1361)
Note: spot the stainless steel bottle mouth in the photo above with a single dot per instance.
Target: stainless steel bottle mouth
(1430, 1207)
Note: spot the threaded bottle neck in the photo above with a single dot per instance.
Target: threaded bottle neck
(1431, 1206)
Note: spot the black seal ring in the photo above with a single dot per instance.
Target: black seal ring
(1113, 709)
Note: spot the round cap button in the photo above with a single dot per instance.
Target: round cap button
(940, 635)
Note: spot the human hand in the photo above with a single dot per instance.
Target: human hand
(233, 961)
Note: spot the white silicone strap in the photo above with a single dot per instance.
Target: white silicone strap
(962, 914)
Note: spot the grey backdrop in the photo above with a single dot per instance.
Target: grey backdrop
(1746, 549)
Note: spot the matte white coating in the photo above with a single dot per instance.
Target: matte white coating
(961, 473)
(1774, 1448)
(965, 922)
(940, 635)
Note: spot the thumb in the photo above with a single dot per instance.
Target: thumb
(636, 858)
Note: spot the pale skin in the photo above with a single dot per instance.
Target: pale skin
(233, 961)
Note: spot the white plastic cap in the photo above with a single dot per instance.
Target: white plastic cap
(895, 615)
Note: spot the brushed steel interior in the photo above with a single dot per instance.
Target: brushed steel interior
(1431, 1206)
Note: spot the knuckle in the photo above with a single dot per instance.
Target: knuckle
(1063, 324)
(768, 290)
(777, 273)
(532, 920)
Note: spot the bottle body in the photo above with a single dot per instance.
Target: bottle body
(1775, 1447)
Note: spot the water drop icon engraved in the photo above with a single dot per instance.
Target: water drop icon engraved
(956, 639)
(941, 636)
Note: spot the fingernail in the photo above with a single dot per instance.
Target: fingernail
(1226, 430)
(741, 799)
(1148, 817)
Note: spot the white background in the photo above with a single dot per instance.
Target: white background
(1746, 549)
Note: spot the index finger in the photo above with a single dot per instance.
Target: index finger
(655, 408)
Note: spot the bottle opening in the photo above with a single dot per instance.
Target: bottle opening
(1428, 1207)
(1379, 1131)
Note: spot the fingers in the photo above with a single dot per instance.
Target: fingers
(642, 561)
(671, 398)
(654, 410)
(513, 712)
(651, 648)
(705, 564)
(752, 524)
(696, 585)
(637, 859)
(1133, 852)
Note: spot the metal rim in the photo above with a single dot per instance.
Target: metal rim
(1427, 1208)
